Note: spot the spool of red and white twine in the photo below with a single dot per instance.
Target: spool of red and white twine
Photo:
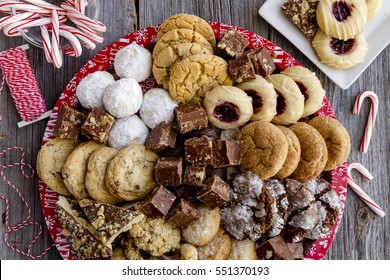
(51, 18)
(358, 190)
(26, 222)
(371, 118)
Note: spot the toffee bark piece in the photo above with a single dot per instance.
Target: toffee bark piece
(241, 69)
(158, 202)
(168, 171)
(69, 122)
(109, 220)
(262, 61)
(183, 214)
(274, 249)
(226, 153)
(198, 151)
(97, 125)
(214, 192)
(162, 138)
(190, 117)
(232, 44)
(194, 175)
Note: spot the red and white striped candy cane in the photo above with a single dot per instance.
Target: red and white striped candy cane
(85, 41)
(371, 118)
(4, 21)
(354, 186)
(6, 6)
(55, 40)
(26, 222)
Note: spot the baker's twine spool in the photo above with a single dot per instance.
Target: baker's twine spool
(51, 19)
(23, 166)
(358, 190)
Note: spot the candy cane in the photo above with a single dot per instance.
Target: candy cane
(352, 183)
(371, 118)
(55, 40)
(85, 41)
(12, 29)
(6, 6)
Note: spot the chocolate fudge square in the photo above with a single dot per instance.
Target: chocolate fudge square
(226, 153)
(232, 44)
(241, 69)
(190, 117)
(262, 61)
(162, 138)
(198, 151)
(214, 192)
(182, 214)
(168, 171)
(194, 175)
(274, 249)
(69, 122)
(97, 125)
(187, 192)
(158, 202)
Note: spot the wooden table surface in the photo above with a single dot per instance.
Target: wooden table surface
(362, 235)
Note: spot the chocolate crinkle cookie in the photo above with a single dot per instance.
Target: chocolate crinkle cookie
(303, 211)
(328, 204)
(250, 211)
(280, 205)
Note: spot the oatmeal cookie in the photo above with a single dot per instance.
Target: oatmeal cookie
(336, 138)
(96, 170)
(129, 174)
(155, 236)
(205, 228)
(50, 160)
(264, 148)
(180, 35)
(167, 58)
(189, 22)
(314, 153)
(218, 249)
(195, 75)
(293, 154)
(75, 168)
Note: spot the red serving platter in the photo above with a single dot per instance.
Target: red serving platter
(147, 37)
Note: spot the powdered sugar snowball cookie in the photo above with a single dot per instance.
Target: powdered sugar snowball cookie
(157, 106)
(91, 89)
(128, 130)
(123, 98)
(133, 61)
(243, 250)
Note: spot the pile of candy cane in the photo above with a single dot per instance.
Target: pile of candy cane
(51, 19)
(364, 148)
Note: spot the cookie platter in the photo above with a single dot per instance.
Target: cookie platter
(103, 61)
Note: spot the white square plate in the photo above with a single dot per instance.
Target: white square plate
(376, 32)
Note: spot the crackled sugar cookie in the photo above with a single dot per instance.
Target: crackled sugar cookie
(264, 98)
(188, 22)
(227, 107)
(342, 19)
(310, 87)
(340, 54)
(290, 102)
(195, 75)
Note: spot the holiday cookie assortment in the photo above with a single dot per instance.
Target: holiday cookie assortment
(334, 27)
(225, 160)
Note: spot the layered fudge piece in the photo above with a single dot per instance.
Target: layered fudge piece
(194, 175)
(190, 117)
(198, 151)
(183, 214)
(303, 14)
(232, 44)
(241, 69)
(109, 220)
(162, 138)
(226, 153)
(214, 192)
(262, 61)
(69, 122)
(168, 171)
(97, 125)
(158, 202)
(274, 249)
